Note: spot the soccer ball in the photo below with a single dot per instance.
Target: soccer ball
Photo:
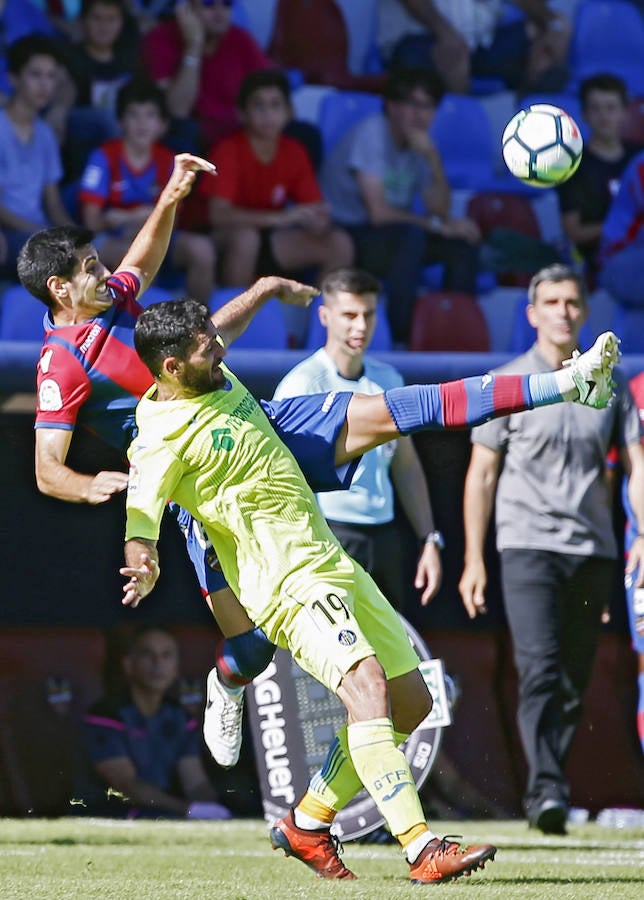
(542, 145)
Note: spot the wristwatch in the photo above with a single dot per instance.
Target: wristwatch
(435, 537)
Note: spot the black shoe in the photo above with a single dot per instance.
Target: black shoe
(549, 817)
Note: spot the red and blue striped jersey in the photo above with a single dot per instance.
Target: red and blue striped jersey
(110, 181)
(90, 374)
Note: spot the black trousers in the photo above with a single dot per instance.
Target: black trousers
(553, 603)
(379, 550)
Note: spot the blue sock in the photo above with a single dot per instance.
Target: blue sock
(243, 657)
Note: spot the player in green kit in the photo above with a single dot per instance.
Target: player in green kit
(206, 443)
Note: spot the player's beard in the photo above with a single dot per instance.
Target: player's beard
(200, 381)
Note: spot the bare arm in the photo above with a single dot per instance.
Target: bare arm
(633, 461)
(150, 246)
(379, 209)
(194, 781)
(98, 218)
(182, 89)
(54, 206)
(411, 487)
(224, 214)
(580, 232)
(120, 774)
(141, 569)
(233, 318)
(480, 489)
(56, 479)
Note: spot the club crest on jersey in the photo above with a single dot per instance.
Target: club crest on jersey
(346, 637)
(50, 398)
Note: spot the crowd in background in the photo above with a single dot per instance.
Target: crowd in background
(98, 94)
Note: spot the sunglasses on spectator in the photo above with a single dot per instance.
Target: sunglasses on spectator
(210, 3)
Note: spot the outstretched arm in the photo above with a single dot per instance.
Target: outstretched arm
(234, 317)
(150, 246)
(141, 570)
(56, 479)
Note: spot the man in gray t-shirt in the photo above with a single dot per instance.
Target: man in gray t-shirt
(385, 183)
(555, 538)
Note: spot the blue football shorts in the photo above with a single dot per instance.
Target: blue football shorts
(309, 426)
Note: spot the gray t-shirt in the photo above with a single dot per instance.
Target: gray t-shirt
(552, 494)
(368, 147)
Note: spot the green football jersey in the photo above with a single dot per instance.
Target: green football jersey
(218, 456)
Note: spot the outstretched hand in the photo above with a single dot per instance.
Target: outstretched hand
(293, 293)
(186, 166)
(142, 579)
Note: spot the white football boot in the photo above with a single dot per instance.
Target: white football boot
(592, 371)
(222, 723)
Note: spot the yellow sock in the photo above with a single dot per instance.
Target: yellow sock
(311, 806)
(415, 831)
(384, 771)
(337, 782)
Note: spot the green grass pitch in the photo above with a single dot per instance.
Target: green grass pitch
(99, 858)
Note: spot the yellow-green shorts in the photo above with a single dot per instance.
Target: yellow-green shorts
(330, 621)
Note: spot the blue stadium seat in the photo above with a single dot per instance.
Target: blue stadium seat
(267, 329)
(608, 36)
(628, 324)
(341, 109)
(380, 342)
(21, 315)
(463, 134)
(156, 294)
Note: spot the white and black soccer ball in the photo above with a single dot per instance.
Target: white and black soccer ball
(542, 145)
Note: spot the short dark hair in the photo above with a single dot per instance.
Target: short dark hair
(169, 328)
(22, 51)
(402, 82)
(141, 90)
(141, 631)
(48, 253)
(603, 81)
(263, 78)
(88, 5)
(553, 275)
(352, 281)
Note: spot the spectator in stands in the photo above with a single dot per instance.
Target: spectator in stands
(266, 206)
(622, 240)
(30, 165)
(100, 64)
(372, 178)
(471, 39)
(17, 20)
(555, 535)
(584, 199)
(200, 60)
(635, 594)
(363, 518)
(143, 746)
(122, 183)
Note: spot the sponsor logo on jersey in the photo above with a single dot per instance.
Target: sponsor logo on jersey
(346, 637)
(328, 401)
(50, 398)
(91, 337)
(485, 380)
